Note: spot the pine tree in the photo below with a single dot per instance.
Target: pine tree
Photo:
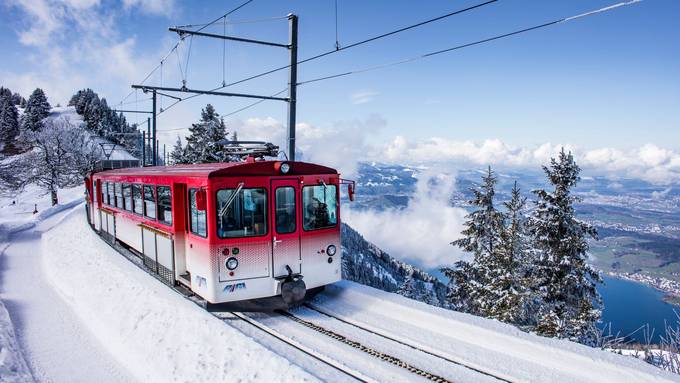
(37, 108)
(202, 142)
(177, 155)
(5, 93)
(569, 301)
(471, 282)
(9, 126)
(512, 283)
(17, 99)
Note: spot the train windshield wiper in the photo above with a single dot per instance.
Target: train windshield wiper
(230, 201)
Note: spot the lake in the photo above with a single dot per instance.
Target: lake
(629, 305)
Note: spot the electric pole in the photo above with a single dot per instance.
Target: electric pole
(292, 84)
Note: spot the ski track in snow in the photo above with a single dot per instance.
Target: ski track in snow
(55, 343)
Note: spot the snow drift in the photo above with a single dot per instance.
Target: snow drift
(158, 335)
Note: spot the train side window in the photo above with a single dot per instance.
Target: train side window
(105, 193)
(319, 207)
(95, 192)
(285, 210)
(127, 197)
(164, 205)
(111, 199)
(149, 202)
(246, 216)
(137, 199)
(197, 219)
(119, 194)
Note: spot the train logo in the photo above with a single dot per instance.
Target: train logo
(230, 288)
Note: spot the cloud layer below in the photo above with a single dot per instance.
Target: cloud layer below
(420, 233)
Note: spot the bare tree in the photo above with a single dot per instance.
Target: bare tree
(62, 154)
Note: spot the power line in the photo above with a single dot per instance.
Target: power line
(224, 16)
(478, 42)
(237, 110)
(600, 10)
(237, 22)
(358, 43)
(177, 44)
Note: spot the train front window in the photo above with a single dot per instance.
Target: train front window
(137, 198)
(149, 202)
(285, 210)
(244, 215)
(319, 207)
(197, 220)
(164, 205)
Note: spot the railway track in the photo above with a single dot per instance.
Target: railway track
(396, 339)
(326, 360)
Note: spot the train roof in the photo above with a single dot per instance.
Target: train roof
(222, 169)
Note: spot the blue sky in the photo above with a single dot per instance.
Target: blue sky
(606, 81)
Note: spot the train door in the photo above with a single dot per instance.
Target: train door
(179, 206)
(286, 228)
(96, 204)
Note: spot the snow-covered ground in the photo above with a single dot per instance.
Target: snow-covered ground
(16, 211)
(151, 330)
(82, 312)
(495, 347)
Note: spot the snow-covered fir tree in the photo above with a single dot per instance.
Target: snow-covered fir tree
(105, 122)
(37, 108)
(202, 143)
(15, 98)
(9, 126)
(512, 283)
(417, 289)
(178, 152)
(565, 283)
(471, 282)
(5, 93)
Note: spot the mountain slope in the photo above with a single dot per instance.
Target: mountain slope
(365, 263)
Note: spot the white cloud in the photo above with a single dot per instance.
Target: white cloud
(152, 7)
(73, 44)
(648, 162)
(362, 97)
(340, 146)
(420, 233)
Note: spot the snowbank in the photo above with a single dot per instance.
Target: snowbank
(16, 212)
(13, 367)
(16, 217)
(487, 344)
(158, 335)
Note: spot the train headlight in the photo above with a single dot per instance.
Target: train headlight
(232, 263)
(285, 168)
(331, 249)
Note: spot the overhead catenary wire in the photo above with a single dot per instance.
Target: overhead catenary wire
(181, 38)
(239, 110)
(470, 44)
(478, 42)
(340, 49)
(236, 22)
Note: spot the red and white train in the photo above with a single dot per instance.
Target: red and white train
(229, 232)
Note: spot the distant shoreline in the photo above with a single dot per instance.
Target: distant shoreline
(670, 289)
